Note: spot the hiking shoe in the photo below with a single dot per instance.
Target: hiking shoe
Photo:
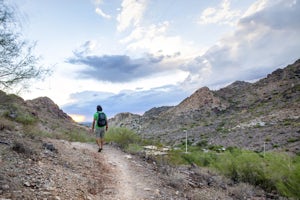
(99, 150)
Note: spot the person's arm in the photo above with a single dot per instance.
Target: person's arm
(106, 122)
(93, 125)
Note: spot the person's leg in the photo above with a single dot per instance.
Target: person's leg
(101, 142)
(98, 141)
(102, 137)
(98, 138)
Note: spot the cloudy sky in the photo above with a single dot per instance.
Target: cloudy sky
(133, 55)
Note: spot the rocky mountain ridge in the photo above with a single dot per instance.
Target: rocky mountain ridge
(264, 114)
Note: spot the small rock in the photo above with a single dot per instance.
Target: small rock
(27, 184)
(50, 147)
(89, 198)
(157, 192)
(5, 187)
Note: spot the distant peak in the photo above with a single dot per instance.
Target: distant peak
(238, 84)
(43, 99)
(202, 90)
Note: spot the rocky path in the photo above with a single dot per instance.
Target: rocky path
(111, 174)
(51, 169)
(130, 178)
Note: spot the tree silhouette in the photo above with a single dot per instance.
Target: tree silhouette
(17, 63)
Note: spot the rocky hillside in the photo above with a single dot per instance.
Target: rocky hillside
(33, 166)
(259, 115)
(35, 117)
(30, 166)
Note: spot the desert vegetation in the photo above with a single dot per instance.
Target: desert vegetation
(271, 171)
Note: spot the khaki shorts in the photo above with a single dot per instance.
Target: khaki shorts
(100, 132)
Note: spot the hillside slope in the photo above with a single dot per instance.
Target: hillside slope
(264, 114)
(36, 163)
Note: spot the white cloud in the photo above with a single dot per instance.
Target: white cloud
(266, 39)
(152, 31)
(97, 2)
(261, 5)
(155, 40)
(101, 13)
(131, 13)
(256, 7)
(221, 15)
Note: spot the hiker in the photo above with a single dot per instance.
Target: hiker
(100, 126)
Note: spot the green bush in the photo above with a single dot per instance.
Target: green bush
(289, 185)
(200, 158)
(26, 119)
(34, 131)
(79, 136)
(175, 157)
(195, 155)
(202, 143)
(273, 171)
(20, 115)
(6, 124)
(284, 171)
(134, 148)
(291, 140)
(122, 136)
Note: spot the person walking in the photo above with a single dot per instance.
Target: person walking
(99, 126)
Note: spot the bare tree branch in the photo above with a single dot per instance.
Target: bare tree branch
(17, 62)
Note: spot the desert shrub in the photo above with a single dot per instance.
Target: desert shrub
(245, 166)
(35, 131)
(26, 119)
(134, 148)
(284, 171)
(122, 136)
(273, 171)
(194, 156)
(175, 157)
(200, 158)
(79, 136)
(202, 143)
(189, 142)
(289, 185)
(291, 140)
(6, 124)
(23, 148)
(16, 113)
(72, 135)
(215, 147)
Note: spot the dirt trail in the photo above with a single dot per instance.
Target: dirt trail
(131, 179)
